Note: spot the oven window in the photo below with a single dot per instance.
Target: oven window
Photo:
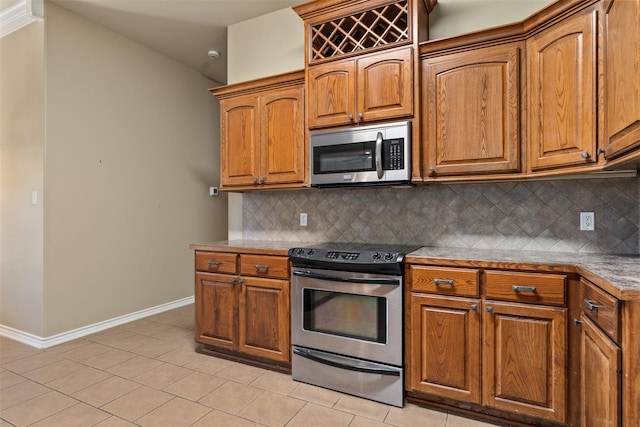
(355, 157)
(348, 315)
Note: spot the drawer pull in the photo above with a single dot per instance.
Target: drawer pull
(214, 263)
(590, 305)
(524, 288)
(443, 282)
(262, 266)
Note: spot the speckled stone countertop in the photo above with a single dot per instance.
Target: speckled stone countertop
(617, 274)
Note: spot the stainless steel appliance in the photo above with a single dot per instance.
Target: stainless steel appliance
(367, 155)
(347, 319)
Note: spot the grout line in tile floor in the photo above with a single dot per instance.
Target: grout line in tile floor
(147, 373)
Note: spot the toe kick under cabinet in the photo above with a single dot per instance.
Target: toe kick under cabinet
(242, 306)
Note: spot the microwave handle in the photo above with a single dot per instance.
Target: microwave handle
(379, 170)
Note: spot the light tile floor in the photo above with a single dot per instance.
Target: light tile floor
(147, 373)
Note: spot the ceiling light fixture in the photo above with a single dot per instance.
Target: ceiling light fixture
(213, 54)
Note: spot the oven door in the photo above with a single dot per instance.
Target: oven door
(348, 313)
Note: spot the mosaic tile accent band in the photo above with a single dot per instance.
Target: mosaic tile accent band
(527, 215)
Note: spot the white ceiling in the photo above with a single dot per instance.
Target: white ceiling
(184, 30)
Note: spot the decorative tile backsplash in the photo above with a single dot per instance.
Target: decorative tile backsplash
(528, 215)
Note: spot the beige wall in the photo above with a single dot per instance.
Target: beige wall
(451, 18)
(22, 98)
(132, 146)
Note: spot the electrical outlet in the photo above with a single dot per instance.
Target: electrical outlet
(213, 191)
(587, 221)
(303, 219)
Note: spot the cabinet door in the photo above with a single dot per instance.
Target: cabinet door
(385, 85)
(282, 136)
(239, 132)
(562, 93)
(215, 299)
(599, 378)
(524, 359)
(472, 120)
(264, 318)
(445, 347)
(331, 98)
(622, 75)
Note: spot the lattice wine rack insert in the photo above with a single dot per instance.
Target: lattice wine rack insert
(381, 26)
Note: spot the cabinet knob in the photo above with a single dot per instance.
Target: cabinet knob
(262, 180)
(351, 117)
(601, 151)
(474, 307)
(489, 309)
(255, 180)
(233, 281)
(585, 155)
(432, 171)
(240, 282)
(360, 115)
(577, 322)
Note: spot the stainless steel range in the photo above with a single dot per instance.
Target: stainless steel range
(347, 319)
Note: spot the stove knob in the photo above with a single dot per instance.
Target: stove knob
(388, 256)
(377, 255)
(311, 252)
(300, 251)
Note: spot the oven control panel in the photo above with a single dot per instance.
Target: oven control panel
(354, 257)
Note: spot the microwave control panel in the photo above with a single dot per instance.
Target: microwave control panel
(393, 154)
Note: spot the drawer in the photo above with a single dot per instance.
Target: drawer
(600, 307)
(534, 288)
(276, 267)
(444, 281)
(216, 262)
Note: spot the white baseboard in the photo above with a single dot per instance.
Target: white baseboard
(40, 342)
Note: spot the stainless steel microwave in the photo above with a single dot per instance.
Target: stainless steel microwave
(365, 155)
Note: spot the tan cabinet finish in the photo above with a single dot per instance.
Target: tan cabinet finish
(471, 119)
(599, 378)
(262, 133)
(370, 87)
(445, 347)
(244, 314)
(563, 124)
(622, 74)
(525, 359)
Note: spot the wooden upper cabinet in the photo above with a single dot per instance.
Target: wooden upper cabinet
(384, 85)
(262, 133)
(563, 122)
(331, 97)
(471, 122)
(240, 129)
(282, 136)
(372, 87)
(622, 73)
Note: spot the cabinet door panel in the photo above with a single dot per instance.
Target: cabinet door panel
(562, 90)
(473, 111)
(525, 359)
(385, 85)
(622, 76)
(264, 318)
(214, 301)
(331, 99)
(445, 346)
(599, 378)
(282, 136)
(239, 156)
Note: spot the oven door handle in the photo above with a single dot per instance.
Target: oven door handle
(309, 355)
(365, 280)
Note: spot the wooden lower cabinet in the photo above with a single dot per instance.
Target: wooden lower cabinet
(445, 347)
(600, 372)
(241, 315)
(524, 359)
